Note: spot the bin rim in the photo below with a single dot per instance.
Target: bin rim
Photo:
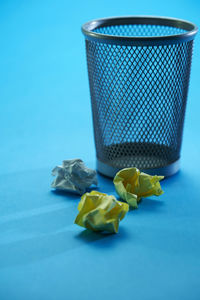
(191, 30)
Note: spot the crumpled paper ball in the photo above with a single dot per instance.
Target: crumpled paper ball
(100, 212)
(73, 176)
(132, 185)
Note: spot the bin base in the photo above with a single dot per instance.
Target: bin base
(166, 171)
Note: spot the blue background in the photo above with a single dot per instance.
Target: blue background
(45, 117)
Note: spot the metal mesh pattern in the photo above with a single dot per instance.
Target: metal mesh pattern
(138, 96)
(139, 30)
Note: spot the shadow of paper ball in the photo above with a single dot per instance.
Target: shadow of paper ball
(103, 239)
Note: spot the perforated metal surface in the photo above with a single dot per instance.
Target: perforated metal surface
(138, 96)
(139, 30)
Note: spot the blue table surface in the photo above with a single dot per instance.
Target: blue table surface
(45, 117)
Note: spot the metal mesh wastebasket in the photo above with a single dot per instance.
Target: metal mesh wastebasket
(139, 69)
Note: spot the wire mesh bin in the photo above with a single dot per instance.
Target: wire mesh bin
(139, 69)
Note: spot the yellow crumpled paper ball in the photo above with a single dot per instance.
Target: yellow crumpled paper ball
(131, 185)
(100, 212)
